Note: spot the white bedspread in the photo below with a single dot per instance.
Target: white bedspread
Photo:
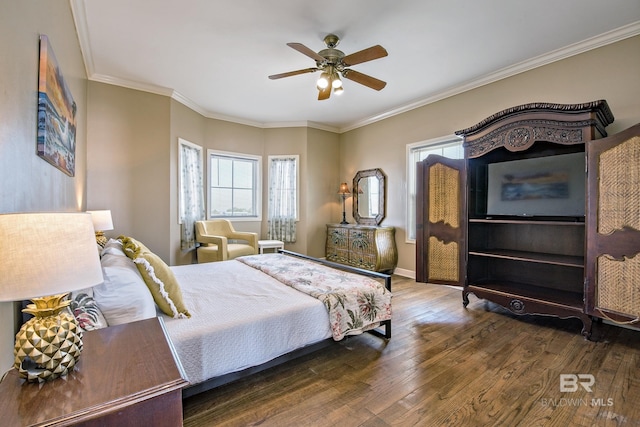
(240, 317)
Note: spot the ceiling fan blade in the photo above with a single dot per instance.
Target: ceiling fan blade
(364, 79)
(292, 73)
(306, 51)
(324, 93)
(365, 55)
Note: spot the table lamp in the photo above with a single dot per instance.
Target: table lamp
(101, 222)
(43, 256)
(344, 192)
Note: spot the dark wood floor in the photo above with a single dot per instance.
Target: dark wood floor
(444, 365)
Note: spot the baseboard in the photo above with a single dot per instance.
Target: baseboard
(405, 273)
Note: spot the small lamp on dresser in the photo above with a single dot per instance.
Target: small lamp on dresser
(43, 256)
(101, 222)
(344, 192)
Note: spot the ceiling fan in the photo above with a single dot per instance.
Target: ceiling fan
(333, 63)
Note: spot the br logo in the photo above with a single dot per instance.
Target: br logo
(569, 382)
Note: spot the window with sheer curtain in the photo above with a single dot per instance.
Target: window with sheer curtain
(283, 198)
(448, 146)
(191, 191)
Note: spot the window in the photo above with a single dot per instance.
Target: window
(448, 146)
(190, 191)
(283, 198)
(234, 186)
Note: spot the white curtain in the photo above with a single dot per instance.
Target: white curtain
(191, 193)
(283, 183)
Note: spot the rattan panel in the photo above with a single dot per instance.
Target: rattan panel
(444, 195)
(443, 260)
(618, 287)
(619, 203)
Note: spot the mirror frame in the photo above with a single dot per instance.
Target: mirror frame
(377, 173)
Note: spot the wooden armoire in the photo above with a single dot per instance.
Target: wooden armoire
(542, 216)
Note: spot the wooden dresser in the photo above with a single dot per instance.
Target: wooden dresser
(127, 375)
(362, 246)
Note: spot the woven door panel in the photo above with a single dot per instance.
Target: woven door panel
(619, 195)
(618, 287)
(443, 260)
(444, 195)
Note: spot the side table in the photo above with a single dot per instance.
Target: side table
(270, 244)
(126, 375)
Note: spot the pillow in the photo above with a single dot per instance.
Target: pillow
(86, 311)
(123, 297)
(113, 247)
(158, 276)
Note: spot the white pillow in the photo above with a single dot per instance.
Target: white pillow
(113, 247)
(123, 297)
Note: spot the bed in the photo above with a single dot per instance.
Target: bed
(233, 318)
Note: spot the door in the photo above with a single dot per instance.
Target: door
(441, 224)
(612, 285)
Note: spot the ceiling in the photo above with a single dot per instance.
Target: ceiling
(214, 56)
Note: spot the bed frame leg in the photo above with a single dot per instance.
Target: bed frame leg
(387, 330)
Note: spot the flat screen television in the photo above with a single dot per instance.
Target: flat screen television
(552, 186)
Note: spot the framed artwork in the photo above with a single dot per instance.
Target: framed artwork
(56, 113)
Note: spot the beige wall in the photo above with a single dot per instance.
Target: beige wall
(133, 167)
(323, 205)
(610, 73)
(28, 183)
(128, 157)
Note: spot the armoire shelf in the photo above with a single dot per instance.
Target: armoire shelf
(571, 221)
(534, 257)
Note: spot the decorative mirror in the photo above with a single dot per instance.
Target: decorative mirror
(368, 197)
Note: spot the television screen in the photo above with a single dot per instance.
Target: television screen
(543, 186)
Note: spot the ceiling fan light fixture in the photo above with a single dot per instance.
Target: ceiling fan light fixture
(323, 81)
(333, 65)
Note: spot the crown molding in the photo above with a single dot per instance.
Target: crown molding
(80, 20)
(130, 84)
(604, 39)
(306, 124)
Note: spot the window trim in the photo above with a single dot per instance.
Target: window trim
(442, 142)
(297, 159)
(257, 190)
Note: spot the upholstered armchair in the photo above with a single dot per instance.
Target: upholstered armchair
(214, 236)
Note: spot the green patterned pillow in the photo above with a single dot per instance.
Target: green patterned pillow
(158, 276)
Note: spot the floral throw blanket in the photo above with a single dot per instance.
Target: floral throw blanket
(355, 303)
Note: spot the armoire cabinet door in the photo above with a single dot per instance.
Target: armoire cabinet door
(613, 227)
(441, 220)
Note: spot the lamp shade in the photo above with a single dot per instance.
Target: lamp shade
(344, 189)
(101, 220)
(47, 253)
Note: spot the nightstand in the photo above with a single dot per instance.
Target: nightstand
(127, 375)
